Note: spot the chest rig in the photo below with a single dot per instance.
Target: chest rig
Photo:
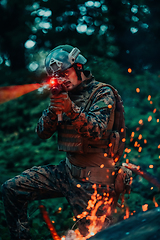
(69, 140)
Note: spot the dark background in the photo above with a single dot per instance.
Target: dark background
(114, 36)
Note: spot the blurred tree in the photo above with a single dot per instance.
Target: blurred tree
(123, 30)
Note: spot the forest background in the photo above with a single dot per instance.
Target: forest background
(120, 39)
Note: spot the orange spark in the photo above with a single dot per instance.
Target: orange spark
(137, 129)
(102, 166)
(127, 150)
(78, 185)
(137, 90)
(150, 166)
(109, 106)
(155, 203)
(127, 160)
(159, 146)
(105, 154)
(151, 102)
(127, 213)
(157, 120)
(141, 122)
(149, 97)
(149, 118)
(140, 149)
(145, 207)
(123, 139)
(132, 134)
(129, 70)
(145, 141)
(154, 110)
(140, 136)
(122, 129)
(116, 159)
(136, 144)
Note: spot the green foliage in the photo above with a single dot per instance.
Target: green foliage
(21, 148)
(111, 48)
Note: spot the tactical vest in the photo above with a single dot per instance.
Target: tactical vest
(69, 140)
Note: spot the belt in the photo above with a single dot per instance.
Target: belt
(93, 174)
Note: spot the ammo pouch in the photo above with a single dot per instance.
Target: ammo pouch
(123, 180)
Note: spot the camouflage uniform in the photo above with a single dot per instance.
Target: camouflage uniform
(53, 181)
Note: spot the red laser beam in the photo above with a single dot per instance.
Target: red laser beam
(11, 92)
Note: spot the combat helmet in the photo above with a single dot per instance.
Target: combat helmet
(62, 58)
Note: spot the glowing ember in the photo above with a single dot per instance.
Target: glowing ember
(102, 166)
(145, 141)
(116, 159)
(140, 149)
(141, 122)
(127, 213)
(105, 154)
(129, 70)
(149, 97)
(154, 110)
(140, 136)
(145, 207)
(150, 166)
(149, 118)
(127, 160)
(127, 150)
(137, 90)
(78, 185)
(109, 106)
(155, 203)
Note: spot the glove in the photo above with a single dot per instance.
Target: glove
(60, 103)
(123, 180)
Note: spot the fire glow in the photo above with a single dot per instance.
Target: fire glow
(96, 222)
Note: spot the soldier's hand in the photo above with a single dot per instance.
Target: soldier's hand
(60, 103)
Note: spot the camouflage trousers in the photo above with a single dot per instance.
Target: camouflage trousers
(49, 181)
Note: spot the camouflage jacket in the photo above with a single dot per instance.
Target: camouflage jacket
(91, 124)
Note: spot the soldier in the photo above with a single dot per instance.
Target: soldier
(84, 133)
